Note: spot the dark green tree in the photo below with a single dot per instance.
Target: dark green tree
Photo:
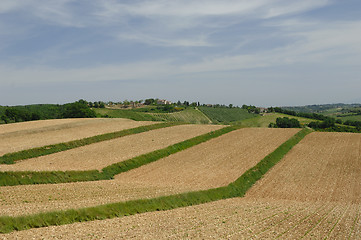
(78, 110)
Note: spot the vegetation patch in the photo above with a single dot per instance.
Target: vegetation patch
(226, 114)
(107, 173)
(126, 113)
(189, 115)
(11, 158)
(285, 122)
(235, 189)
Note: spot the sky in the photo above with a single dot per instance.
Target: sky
(259, 52)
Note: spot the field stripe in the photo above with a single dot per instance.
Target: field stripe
(107, 173)
(235, 189)
(11, 158)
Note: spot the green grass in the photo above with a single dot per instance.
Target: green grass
(189, 115)
(264, 121)
(107, 173)
(235, 189)
(126, 113)
(352, 118)
(11, 158)
(226, 115)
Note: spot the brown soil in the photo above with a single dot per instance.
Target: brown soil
(28, 199)
(100, 155)
(239, 218)
(20, 136)
(313, 193)
(322, 167)
(215, 163)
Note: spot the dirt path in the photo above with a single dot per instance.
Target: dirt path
(20, 136)
(100, 155)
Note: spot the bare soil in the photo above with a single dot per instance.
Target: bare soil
(100, 155)
(238, 218)
(322, 167)
(19, 136)
(210, 164)
(215, 163)
(313, 193)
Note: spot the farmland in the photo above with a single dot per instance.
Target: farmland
(100, 155)
(312, 192)
(203, 166)
(189, 115)
(126, 113)
(20, 136)
(226, 115)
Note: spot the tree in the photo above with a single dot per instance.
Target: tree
(285, 122)
(149, 101)
(5, 119)
(78, 110)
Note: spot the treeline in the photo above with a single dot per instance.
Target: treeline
(79, 109)
(304, 115)
(324, 123)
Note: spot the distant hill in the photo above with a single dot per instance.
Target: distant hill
(322, 107)
(341, 111)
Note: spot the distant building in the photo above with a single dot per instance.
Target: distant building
(163, 102)
(263, 110)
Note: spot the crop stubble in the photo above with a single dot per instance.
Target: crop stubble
(20, 136)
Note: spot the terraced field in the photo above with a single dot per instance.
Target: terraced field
(20, 136)
(312, 193)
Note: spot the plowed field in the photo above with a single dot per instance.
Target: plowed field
(215, 163)
(100, 155)
(210, 164)
(313, 193)
(20, 136)
(322, 167)
(239, 218)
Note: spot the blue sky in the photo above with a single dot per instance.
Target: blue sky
(261, 52)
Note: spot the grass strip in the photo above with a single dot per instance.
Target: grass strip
(107, 173)
(11, 158)
(235, 189)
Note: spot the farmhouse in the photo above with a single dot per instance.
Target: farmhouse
(163, 102)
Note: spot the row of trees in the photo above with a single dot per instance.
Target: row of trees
(326, 122)
(305, 115)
